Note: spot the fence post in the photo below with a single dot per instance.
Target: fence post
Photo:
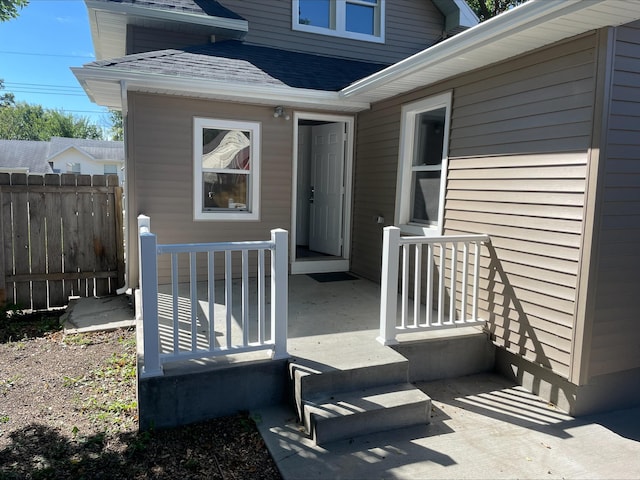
(148, 257)
(279, 292)
(389, 285)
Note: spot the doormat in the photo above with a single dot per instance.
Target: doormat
(332, 277)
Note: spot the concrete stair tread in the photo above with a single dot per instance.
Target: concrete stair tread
(351, 414)
(354, 402)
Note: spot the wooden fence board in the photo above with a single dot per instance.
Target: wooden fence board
(86, 241)
(61, 236)
(54, 241)
(5, 240)
(37, 243)
(21, 240)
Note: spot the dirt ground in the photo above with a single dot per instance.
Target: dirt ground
(68, 411)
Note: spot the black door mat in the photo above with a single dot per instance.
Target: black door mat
(332, 277)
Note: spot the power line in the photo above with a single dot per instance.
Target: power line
(29, 85)
(36, 54)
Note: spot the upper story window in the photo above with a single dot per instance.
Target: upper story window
(356, 19)
(422, 165)
(110, 169)
(226, 170)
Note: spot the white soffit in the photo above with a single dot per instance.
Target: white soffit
(529, 26)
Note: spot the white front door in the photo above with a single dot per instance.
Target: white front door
(327, 188)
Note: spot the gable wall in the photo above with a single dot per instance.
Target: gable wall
(519, 137)
(411, 25)
(615, 338)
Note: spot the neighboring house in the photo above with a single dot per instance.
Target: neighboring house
(63, 155)
(85, 156)
(24, 156)
(525, 127)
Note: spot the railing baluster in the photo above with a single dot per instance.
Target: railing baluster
(476, 280)
(245, 298)
(193, 288)
(405, 286)
(211, 280)
(465, 281)
(175, 294)
(454, 285)
(429, 286)
(441, 283)
(261, 298)
(417, 295)
(228, 294)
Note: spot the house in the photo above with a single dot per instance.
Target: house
(86, 156)
(524, 128)
(63, 155)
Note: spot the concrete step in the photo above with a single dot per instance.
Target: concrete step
(355, 413)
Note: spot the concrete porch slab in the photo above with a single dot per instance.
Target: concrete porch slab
(483, 426)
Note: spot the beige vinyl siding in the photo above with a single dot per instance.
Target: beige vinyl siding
(160, 130)
(410, 27)
(615, 339)
(140, 39)
(520, 132)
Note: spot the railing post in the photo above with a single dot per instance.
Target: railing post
(279, 292)
(389, 285)
(148, 257)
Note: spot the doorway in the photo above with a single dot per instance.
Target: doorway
(321, 193)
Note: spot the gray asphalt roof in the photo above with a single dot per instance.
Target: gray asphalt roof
(235, 62)
(25, 154)
(209, 8)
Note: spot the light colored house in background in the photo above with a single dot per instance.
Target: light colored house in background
(534, 116)
(85, 156)
(63, 155)
(24, 156)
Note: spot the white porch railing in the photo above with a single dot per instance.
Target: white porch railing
(193, 323)
(450, 255)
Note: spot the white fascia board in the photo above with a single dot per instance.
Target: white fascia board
(468, 18)
(522, 17)
(159, 14)
(232, 91)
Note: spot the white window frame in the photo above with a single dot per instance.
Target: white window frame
(339, 17)
(404, 188)
(253, 205)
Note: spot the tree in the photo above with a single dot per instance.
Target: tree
(9, 8)
(117, 128)
(486, 9)
(24, 121)
(6, 99)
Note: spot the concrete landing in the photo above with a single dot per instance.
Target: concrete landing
(482, 426)
(94, 314)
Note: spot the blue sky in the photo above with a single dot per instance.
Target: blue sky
(38, 48)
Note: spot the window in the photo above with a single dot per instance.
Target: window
(74, 168)
(226, 170)
(357, 19)
(110, 169)
(423, 165)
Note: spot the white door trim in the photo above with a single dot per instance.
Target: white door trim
(333, 264)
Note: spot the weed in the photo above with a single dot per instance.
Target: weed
(78, 339)
(4, 418)
(5, 385)
(71, 381)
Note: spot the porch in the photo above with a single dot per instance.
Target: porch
(315, 342)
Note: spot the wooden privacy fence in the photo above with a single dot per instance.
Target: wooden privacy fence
(61, 236)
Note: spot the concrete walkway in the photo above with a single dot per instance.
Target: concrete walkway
(482, 426)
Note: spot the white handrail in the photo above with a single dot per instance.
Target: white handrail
(438, 250)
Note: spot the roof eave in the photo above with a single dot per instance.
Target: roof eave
(460, 49)
(111, 81)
